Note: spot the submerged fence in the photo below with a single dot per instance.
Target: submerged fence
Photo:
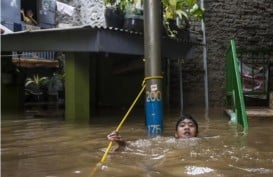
(234, 90)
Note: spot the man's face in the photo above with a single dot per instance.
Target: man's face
(186, 129)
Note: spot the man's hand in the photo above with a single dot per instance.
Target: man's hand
(115, 136)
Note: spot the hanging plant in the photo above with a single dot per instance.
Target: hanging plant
(56, 83)
(133, 15)
(177, 15)
(114, 13)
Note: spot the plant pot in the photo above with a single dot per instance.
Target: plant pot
(33, 89)
(133, 23)
(113, 17)
(180, 28)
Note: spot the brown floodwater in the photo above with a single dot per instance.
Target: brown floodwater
(51, 147)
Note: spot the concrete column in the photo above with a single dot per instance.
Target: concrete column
(77, 91)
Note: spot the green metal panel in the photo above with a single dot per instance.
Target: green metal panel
(234, 91)
(77, 91)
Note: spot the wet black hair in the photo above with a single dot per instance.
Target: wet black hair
(183, 117)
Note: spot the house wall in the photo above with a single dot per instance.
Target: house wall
(86, 13)
(248, 22)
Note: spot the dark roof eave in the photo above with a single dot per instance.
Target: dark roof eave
(88, 39)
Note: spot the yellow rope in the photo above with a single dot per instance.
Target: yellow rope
(150, 77)
(123, 120)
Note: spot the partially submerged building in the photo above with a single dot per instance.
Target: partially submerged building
(104, 66)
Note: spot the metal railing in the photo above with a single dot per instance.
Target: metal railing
(43, 55)
(254, 69)
(234, 91)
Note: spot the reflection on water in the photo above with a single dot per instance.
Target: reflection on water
(54, 148)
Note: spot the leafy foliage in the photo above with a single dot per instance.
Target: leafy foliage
(37, 80)
(118, 4)
(181, 11)
(124, 5)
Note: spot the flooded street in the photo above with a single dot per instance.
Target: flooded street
(41, 147)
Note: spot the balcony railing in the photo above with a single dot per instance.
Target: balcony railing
(35, 59)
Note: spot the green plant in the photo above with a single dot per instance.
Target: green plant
(180, 10)
(56, 78)
(133, 7)
(36, 80)
(61, 76)
(56, 83)
(117, 4)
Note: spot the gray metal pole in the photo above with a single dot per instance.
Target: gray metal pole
(152, 55)
(180, 63)
(205, 63)
(168, 73)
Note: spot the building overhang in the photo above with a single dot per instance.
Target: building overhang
(90, 39)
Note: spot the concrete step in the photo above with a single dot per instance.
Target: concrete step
(259, 112)
(255, 112)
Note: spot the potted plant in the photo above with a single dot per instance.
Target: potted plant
(177, 15)
(133, 19)
(114, 13)
(56, 85)
(36, 85)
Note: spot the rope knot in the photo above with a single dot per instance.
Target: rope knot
(150, 77)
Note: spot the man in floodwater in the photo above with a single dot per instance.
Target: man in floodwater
(186, 127)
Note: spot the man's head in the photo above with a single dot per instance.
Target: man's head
(186, 127)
